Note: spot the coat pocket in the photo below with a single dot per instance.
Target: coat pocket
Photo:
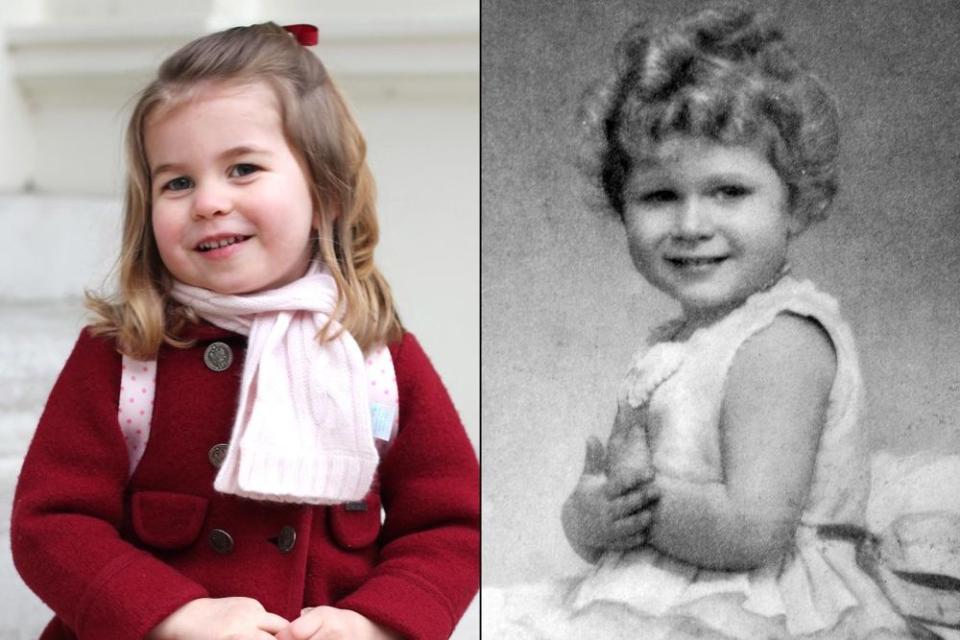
(167, 520)
(356, 524)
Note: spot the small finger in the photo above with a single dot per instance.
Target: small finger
(272, 622)
(629, 542)
(625, 480)
(628, 416)
(594, 459)
(306, 626)
(633, 524)
(631, 503)
(329, 632)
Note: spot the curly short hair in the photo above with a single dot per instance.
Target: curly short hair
(723, 75)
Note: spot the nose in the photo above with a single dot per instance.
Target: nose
(693, 221)
(211, 199)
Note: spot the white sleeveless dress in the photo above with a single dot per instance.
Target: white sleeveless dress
(818, 591)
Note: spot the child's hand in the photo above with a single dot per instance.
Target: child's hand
(627, 447)
(213, 618)
(330, 623)
(609, 513)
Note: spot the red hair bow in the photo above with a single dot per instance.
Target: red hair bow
(306, 34)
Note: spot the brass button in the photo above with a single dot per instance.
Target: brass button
(216, 454)
(221, 541)
(286, 540)
(218, 356)
(355, 506)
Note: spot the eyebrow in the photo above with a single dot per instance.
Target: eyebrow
(232, 152)
(645, 179)
(656, 176)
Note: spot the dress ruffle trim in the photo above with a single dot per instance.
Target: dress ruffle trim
(662, 355)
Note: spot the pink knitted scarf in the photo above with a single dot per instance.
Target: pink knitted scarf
(302, 431)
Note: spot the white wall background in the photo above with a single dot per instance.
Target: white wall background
(68, 68)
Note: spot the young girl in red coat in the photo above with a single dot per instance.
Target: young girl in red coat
(213, 458)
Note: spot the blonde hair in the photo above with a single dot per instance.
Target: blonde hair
(141, 315)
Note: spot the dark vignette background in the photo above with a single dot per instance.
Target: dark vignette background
(563, 310)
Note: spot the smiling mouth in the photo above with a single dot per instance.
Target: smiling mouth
(210, 245)
(695, 261)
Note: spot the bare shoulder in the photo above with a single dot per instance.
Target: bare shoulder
(792, 349)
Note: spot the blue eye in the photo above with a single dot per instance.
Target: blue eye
(243, 169)
(178, 184)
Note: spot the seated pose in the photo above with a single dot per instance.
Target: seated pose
(213, 459)
(730, 498)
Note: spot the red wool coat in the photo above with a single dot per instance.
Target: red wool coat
(114, 556)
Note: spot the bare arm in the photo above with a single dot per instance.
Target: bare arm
(773, 410)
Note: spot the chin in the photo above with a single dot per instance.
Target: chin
(707, 302)
(231, 288)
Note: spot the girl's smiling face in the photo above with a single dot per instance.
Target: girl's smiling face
(708, 224)
(232, 209)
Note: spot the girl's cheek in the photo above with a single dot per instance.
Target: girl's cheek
(639, 253)
(642, 228)
(165, 235)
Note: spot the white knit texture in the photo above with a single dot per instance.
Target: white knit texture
(303, 431)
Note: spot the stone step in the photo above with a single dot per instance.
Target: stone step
(35, 339)
(54, 247)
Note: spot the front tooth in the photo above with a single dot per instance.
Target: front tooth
(219, 244)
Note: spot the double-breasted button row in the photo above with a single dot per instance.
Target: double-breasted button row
(222, 542)
(218, 356)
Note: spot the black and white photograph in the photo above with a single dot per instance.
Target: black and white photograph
(720, 283)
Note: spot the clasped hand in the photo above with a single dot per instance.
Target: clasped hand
(610, 513)
(246, 619)
(330, 623)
